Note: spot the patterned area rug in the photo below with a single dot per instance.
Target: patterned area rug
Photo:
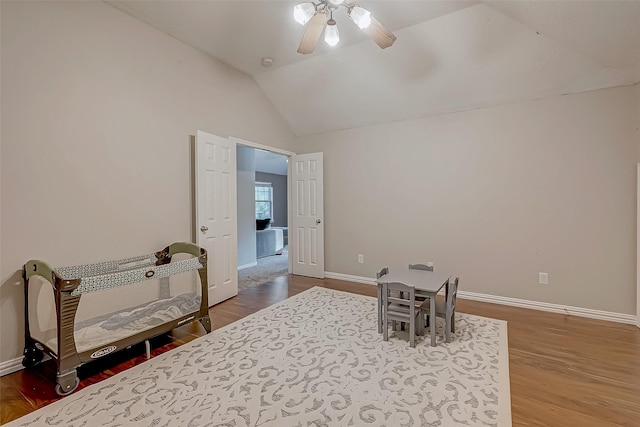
(314, 359)
(268, 268)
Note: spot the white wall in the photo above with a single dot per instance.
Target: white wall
(638, 119)
(246, 206)
(495, 196)
(97, 113)
(2, 337)
(637, 86)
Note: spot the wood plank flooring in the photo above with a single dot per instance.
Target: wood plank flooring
(565, 371)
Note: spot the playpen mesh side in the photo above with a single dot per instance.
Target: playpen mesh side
(127, 277)
(105, 329)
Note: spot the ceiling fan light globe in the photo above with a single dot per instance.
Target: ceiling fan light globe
(336, 2)
(303, 12)
(360, 16)
(331, 36)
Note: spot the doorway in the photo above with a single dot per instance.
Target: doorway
(218, 175)
(262, 216)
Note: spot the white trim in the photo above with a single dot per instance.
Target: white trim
(251, 264)
(291, 244)
(262, 146)
(638, 254)
(553, 308)
(515, 302)
(11, 366)
(349, 278)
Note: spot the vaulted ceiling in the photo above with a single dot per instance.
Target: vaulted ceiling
(449, 56)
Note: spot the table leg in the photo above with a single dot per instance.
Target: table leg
(379, 308)
(432, 319)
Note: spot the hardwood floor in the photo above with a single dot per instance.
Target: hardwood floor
(565, 371)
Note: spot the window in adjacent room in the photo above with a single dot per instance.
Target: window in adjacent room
(264, 200)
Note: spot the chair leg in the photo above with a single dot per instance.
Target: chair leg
(447, 328)
(379, 309)
(412, 333)
(432, 328)
(453, 322)
(385, 313)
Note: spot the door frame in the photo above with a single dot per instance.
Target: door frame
(289, 154)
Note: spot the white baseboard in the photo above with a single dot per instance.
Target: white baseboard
(10, 366)
(350, 278)
(251, 264)
(515, 302)
(554, 308)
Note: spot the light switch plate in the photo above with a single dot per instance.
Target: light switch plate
(543, 278)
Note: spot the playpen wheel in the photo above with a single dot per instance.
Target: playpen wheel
(61, 392)
(32, 357)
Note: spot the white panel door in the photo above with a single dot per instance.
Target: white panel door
(216, 219)
(308, 215)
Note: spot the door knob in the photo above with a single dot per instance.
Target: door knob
(204, 228)
(318, 221)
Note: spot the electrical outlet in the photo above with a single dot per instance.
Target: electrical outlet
(360, 259)
(543, 278)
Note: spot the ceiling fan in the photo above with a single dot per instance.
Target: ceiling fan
(320, 15)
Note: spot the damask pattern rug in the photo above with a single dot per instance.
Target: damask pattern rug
(315, 359)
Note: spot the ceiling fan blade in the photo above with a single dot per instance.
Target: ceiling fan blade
(312, 33)
(379, 34)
